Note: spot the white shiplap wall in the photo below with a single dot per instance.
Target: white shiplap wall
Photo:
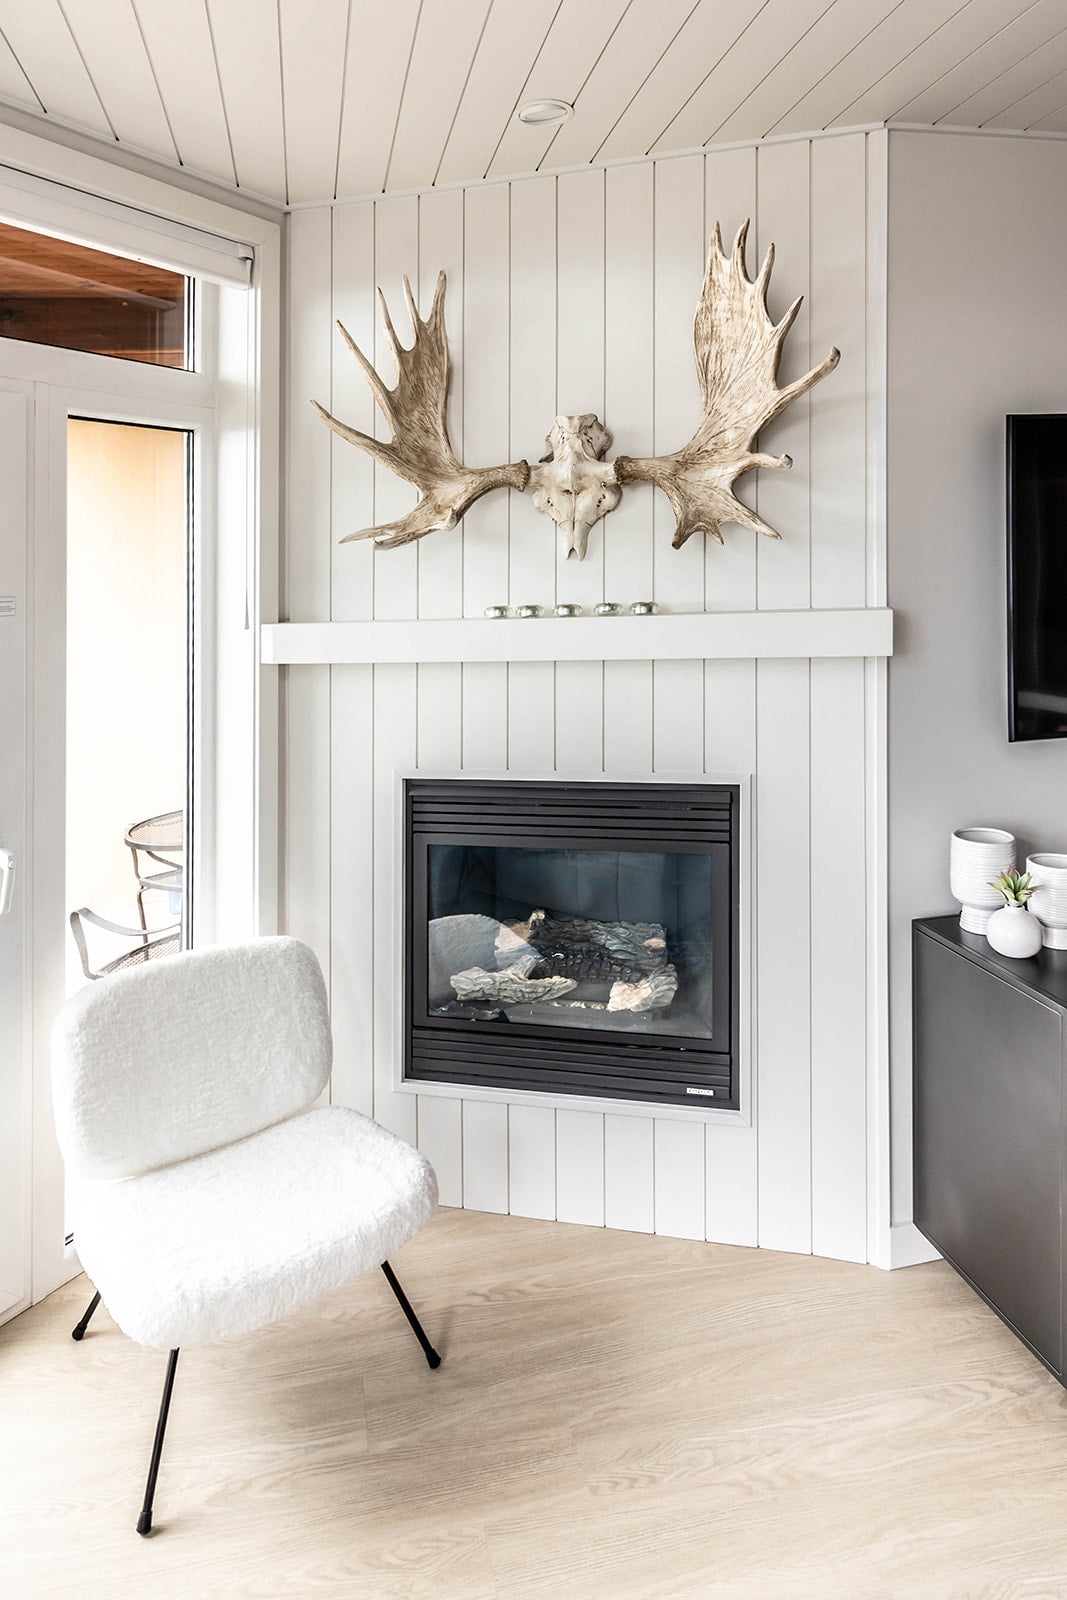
(576, 293)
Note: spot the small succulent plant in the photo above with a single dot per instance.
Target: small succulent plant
(1016, 887)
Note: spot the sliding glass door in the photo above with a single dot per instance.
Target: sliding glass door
(129, 822)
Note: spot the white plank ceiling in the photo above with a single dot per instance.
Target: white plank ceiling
(307, 100)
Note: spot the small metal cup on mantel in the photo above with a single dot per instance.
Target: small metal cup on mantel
(976, 857)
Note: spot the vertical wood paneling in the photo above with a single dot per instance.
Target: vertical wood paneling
(876, 398)
(731, 1152)
(730, 197)
(629, 305)
(395, 716)
(485, 716)
(678, 716)
(629, 1167)
(784, 956)
(307, 809)
(580, 350)
(679, 1179)
(485, 1155)
(307, 591)
(838, 961)
(580, 1167)
(351, 901)
(441, 249)
(486, 364)
(352, 565)
(579, 716)
(532, 550)
(838, 403)
(625, 282)
(628, 716)
(729, 717)
(731, 1195)
(531, 716)
(532, 1161)
(396, 252)
(440, 1130)
(629, 309)
(783, 568)
(679, 269)
(440, 715)
(438, 744)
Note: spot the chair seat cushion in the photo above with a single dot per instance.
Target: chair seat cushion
(226, 1242)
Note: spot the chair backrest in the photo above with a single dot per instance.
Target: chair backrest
(162, 942)
(188, 1053)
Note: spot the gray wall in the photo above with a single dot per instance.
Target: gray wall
(977, 328)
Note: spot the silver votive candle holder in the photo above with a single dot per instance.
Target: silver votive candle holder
(567, 610)
(643, 608)
(607, 608)
(529, 611)
(495, 613)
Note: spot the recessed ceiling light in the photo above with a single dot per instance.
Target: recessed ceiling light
(545, 111)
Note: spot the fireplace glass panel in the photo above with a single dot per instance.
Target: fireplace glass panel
(610, 940)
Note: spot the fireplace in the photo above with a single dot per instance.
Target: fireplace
(573, 938)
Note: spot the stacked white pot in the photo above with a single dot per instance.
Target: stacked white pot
(977, 856)
(1049, 902)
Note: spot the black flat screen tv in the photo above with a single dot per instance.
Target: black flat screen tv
(1037, 577)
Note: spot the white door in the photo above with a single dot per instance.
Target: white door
(16, 415)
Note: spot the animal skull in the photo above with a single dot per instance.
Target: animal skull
(573, 485)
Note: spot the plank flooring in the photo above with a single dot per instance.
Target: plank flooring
(617, 1415)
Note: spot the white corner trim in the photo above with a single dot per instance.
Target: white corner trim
(908, 1247)
(692, 636)
(646, 158)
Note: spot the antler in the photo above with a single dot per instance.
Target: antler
(738, 348)
(415, 411)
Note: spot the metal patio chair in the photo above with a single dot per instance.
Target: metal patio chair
(160, 942)
(162, 840)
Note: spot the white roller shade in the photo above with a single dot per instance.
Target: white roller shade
(45, 207)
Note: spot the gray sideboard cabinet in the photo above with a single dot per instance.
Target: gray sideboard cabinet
(990, 1146)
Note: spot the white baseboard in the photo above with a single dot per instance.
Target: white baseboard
(908, 1247)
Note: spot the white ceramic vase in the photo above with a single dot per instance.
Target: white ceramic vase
(1049, 902)
(1012, 931)
(977, 856)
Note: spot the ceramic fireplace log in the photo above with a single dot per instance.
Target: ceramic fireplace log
(648, 994)
(508, 988)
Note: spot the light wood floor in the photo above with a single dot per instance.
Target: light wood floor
(617, 1418)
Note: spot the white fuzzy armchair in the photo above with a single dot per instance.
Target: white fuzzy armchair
(208, 1200)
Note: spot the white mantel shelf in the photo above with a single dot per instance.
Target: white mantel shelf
(693, 636)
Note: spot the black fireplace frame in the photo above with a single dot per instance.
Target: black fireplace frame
(697, 818)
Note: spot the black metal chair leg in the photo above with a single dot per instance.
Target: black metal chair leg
(432, 1358)
(79, 1331)
(144, 1521)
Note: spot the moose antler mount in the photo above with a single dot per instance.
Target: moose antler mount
(738, 351)
(415, 411)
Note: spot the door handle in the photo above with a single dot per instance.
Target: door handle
(7, 880)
